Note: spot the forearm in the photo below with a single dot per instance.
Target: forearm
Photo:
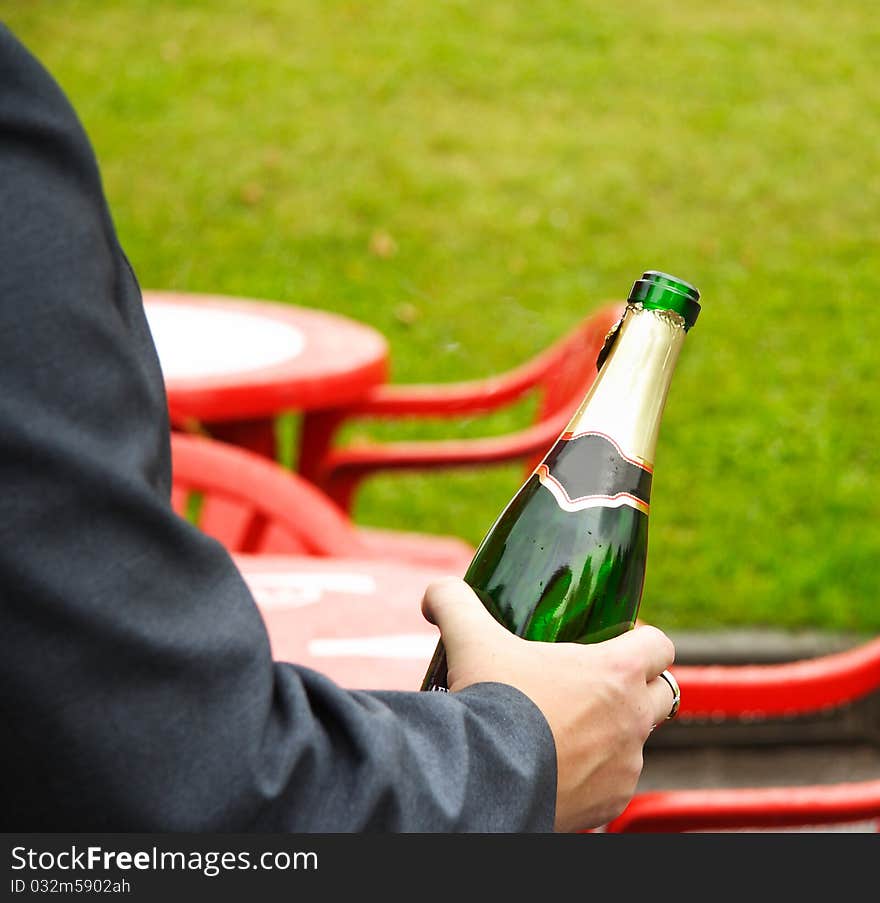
(138, 687)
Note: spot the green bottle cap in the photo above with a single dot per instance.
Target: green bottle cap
(660, 291)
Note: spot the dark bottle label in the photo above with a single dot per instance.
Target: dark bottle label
(588, 470)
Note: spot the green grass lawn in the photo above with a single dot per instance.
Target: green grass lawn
(471, 178)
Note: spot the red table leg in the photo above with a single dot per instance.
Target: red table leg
(255, 435)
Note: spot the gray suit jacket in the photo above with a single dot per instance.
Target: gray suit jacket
(137, 689)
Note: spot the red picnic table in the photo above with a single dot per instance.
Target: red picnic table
(357, 621)
(233, 364)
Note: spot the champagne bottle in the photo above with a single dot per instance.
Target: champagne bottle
(565, 560)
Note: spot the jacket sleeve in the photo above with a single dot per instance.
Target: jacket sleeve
(137, 688)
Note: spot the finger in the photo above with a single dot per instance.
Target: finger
(651, 646)
(454, 607)
(662, 699)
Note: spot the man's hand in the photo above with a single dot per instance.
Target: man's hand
(601, 700)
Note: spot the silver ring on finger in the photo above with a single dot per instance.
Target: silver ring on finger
(676, 693)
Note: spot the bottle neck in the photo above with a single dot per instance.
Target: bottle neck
(627, 398)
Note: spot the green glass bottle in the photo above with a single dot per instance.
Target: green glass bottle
(565, 560)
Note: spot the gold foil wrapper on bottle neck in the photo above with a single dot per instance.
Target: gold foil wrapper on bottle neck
(627, 398)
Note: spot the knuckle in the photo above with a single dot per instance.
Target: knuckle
(664, 643)
(636, 764)
(626, 670)
(617, 805)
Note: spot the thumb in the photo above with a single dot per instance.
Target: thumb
(456, 609)
(478, 648)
